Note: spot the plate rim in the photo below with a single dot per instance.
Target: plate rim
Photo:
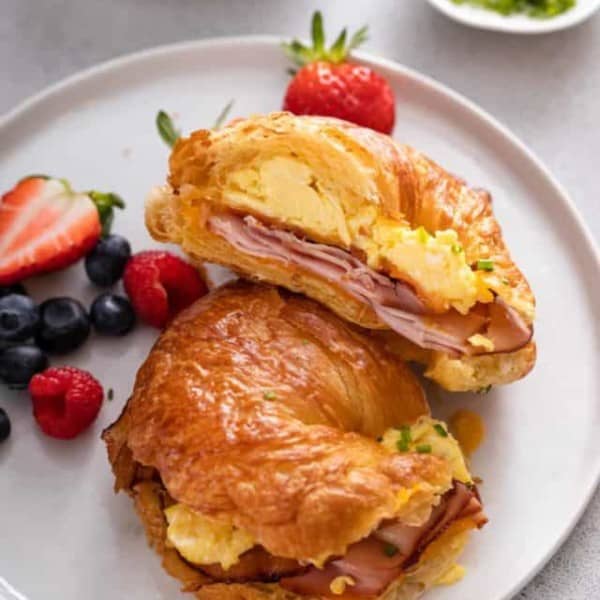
(504, 25)
(587, 240)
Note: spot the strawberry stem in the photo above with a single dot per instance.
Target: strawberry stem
(166, 129)
(223, 114)
(302, 54)
(105, 203)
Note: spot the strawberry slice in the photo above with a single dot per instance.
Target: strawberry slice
(45, 226)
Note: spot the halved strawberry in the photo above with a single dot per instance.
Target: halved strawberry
(45, 226)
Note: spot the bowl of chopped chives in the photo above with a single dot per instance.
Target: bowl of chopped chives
(518, 16)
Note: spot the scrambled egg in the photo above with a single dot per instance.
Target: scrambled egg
(202, 540)
(285, 189)
(431, 436)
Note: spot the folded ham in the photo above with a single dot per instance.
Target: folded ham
(395, 302)
(373, 563)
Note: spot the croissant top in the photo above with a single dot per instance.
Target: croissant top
(274, 450)
(374, 229)
(233, 415)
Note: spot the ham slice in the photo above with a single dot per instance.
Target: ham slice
(395, 302)
(369, 563)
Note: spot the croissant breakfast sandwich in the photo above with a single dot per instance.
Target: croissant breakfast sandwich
(371, 228)
(275, 451)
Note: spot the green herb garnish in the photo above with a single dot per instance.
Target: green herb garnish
(505, 281)
(485, 389)
(269, 395)
(405, 437)
(110, 394)
(390, 550)
(441, 430)
(423, 448)
(485, 264)
(456, 248)
(540, 9)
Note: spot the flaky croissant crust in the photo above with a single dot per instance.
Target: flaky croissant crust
(263, 408)
(402, 183)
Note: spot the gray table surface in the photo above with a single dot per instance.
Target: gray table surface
(546, 89)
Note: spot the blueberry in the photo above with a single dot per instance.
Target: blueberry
(4, 425)
(16, 288)
(64, 325)
(18, 364)
(104, 265)
(19, 317)
(112, 314)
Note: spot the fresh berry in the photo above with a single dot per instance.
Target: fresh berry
(16, 288)
(112, 314)
(64, 325)
(18, 364)
(105, 264)
(4, 425)
(160, 285)
(65, 401)
(326, 84)
(19, 318)
(45, 226)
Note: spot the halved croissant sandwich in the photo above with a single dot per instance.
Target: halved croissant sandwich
(274, 451)
(371, 228)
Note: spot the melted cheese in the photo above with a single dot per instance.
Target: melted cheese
(338, 585)
(285, 190)
(204, 541)
(424, 434)
(469, 429)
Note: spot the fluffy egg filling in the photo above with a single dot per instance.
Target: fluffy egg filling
(287, 191)
(202, 540)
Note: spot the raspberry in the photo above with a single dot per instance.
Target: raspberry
(65, 400)
(160, 285)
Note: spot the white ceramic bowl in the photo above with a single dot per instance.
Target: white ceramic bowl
(488, 19)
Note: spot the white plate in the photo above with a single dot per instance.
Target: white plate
(65, 536)
(487, 19)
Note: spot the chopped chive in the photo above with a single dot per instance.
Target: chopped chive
(390, 550)
(485, 389)
(456, 248)
(485, 264)
(441, 430)
(422, 234)
(423, 448)
(110, 394)
(505, 281)
(403, 443)
(269, 395)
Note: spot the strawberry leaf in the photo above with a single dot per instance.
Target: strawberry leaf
(337, 53)
(166, 129)
(359, 38)
(337, 50)
(105, 203)
(318, 33)
(223, 115)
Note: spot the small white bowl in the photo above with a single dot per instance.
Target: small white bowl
(488, 19)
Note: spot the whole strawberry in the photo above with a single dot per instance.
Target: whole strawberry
(328, 84)
(65, 401)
